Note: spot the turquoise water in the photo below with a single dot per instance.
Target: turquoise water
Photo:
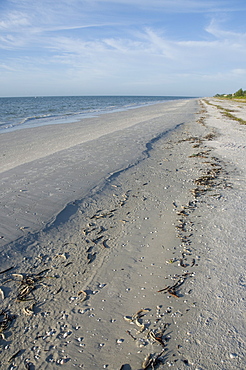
(17, 113)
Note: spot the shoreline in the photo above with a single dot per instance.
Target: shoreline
(67, 117)
(46, 168)
(153, 226)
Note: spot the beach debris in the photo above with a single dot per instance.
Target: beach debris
(58, 290)
(91, 257)
(128, 318)
(18, 275)
(202, 154)
(141, 326)
(233, 355)
(172, 289)
(181, 226)
(140, 313)
(68, 243)
(28, 310)
(96, 240)
(104, 243)
(182, 213)
(22, 228)
(14, 356)
(192, 139)
(152, 360)
(8, 269)
(68, 264)
(2, 293)
(209, 136)
(132, 336)
(27, 284)
(101, 229)
(123, 221)
(156, 338)
(172, 260)
(5, 321)
(83, 295)
(193, 262)
(28, 364)
(182, 264)
(26, 287)
(62, 255)
(204, 180)
(146, 361)
(88, 230)
(102, 214)
(134, 319)
(141, 342)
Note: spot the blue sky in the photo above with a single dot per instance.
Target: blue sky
(122, 47)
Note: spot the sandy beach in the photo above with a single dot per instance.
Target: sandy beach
(122, 241)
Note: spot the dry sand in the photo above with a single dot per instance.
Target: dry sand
(147, 264)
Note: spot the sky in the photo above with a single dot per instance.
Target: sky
(122, 47)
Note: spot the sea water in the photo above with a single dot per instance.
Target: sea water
(26, 112)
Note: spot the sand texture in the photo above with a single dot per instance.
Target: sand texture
(136, 261)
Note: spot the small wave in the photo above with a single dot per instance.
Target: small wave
(27, 119)
(17, 113)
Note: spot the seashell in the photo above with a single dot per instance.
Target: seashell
(146, 361)
(2, 293)
(83, 295)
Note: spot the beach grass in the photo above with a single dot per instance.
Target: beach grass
(227, 112)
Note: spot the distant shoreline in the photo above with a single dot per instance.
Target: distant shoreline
(27, 112)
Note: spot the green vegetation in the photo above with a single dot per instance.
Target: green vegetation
(231, 116)
(227, 112)
(240, 94)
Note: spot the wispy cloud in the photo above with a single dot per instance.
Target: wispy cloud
(182, 6)
(215, 29)
(6, 67)
(141, 47)
(14, 21)
(129, 42)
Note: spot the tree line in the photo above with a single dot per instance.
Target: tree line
(238, 94)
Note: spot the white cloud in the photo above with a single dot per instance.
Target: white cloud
(5, 67)
(239, 72)
(80, 41)
(11, 42)
(14, 21)
(179, 5)
(142, 48)
(158, 44)
(214, 29)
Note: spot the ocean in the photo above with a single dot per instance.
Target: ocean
(26, 112)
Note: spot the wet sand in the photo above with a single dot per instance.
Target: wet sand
(45, 168)
(146, 269)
